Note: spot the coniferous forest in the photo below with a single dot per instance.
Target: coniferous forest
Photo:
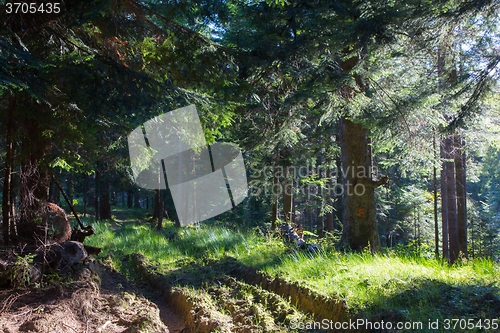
(249, 166)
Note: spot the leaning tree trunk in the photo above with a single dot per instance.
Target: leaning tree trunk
(8, 170)
(451, 197)
(360, 223)
(461, 196)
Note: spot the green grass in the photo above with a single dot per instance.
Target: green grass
(363, 279)
(171, 244)
(417, 288)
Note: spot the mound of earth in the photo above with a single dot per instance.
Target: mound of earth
(93, 299)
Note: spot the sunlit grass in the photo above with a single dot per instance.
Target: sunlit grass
(171, 244)
(417, 287)
(422, 288)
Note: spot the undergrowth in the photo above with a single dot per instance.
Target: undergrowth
(416, 287)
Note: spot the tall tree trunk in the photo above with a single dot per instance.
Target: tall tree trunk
(444, 202)
(274, 196)
(320, 226)
(13, 230)
(34, 181)
(85, 185)
(8, 170)
(329, 174)
(130, 199)
(287, 189)
(137, 203)
(452, 200)
(71, 187)
(461, 195)
(96, 194)
(339, 205)
(434, 188)
(105, 204)
(159, 208)
(360, 223)
(329, 215)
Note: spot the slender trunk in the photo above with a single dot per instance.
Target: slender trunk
(461, 196)
(96, 195)
(329, 174)
(452, 200)
(309, 216)
(319, 223)
(159, 208)
(71, 187)
(339, 206)
(274, 196)
(436, 225)
(287, 189)
(13, 230)
(105, 204)
(12, 222)
(130, 199)
(137, 203)
(8, 170)
(85, 180)
(444, 202)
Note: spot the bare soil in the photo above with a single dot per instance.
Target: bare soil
(93, 299)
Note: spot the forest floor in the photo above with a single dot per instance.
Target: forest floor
(99, 299)
(214, 278)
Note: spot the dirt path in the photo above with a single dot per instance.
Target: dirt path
(227, 296)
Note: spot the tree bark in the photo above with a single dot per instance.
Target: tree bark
(444, 202)
(105, 204)
(339, 205)
(320, 226)
(137, 203)
(8, 170)
(13, 229)
(274, 196)
(329, 173)
(360, 223)
(287, 189)
(461, 196)
(71, 186)
(96, 195)
(130, 199)
(434, 188)
(451, 200)
(159, 208)
(33, 181)
(85, 185)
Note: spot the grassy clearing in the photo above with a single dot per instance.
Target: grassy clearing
(171, 245)
(418, 289)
